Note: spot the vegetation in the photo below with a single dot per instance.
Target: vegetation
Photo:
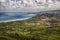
(40, 27)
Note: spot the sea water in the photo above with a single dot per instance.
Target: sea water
(9, 16)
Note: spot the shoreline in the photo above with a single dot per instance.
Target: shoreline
(15, 20)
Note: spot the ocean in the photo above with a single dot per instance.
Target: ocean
(9, 16)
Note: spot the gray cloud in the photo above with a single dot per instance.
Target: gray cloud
(28, 5)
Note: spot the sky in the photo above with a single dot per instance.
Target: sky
(28, 5)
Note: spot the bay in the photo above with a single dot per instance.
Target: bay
(5, 16)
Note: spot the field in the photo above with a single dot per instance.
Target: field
(41, 27)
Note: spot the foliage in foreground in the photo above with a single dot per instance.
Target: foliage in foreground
(31, 30)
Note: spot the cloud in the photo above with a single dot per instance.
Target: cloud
(2, 0)
(30, 4)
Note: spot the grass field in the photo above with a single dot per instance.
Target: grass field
(40, 27)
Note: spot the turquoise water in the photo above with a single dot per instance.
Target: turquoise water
(4, 16)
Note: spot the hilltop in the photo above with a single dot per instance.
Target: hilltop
(45, 26)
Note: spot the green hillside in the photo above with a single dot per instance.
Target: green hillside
(41, 27)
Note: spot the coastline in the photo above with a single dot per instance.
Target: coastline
(15, 20)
